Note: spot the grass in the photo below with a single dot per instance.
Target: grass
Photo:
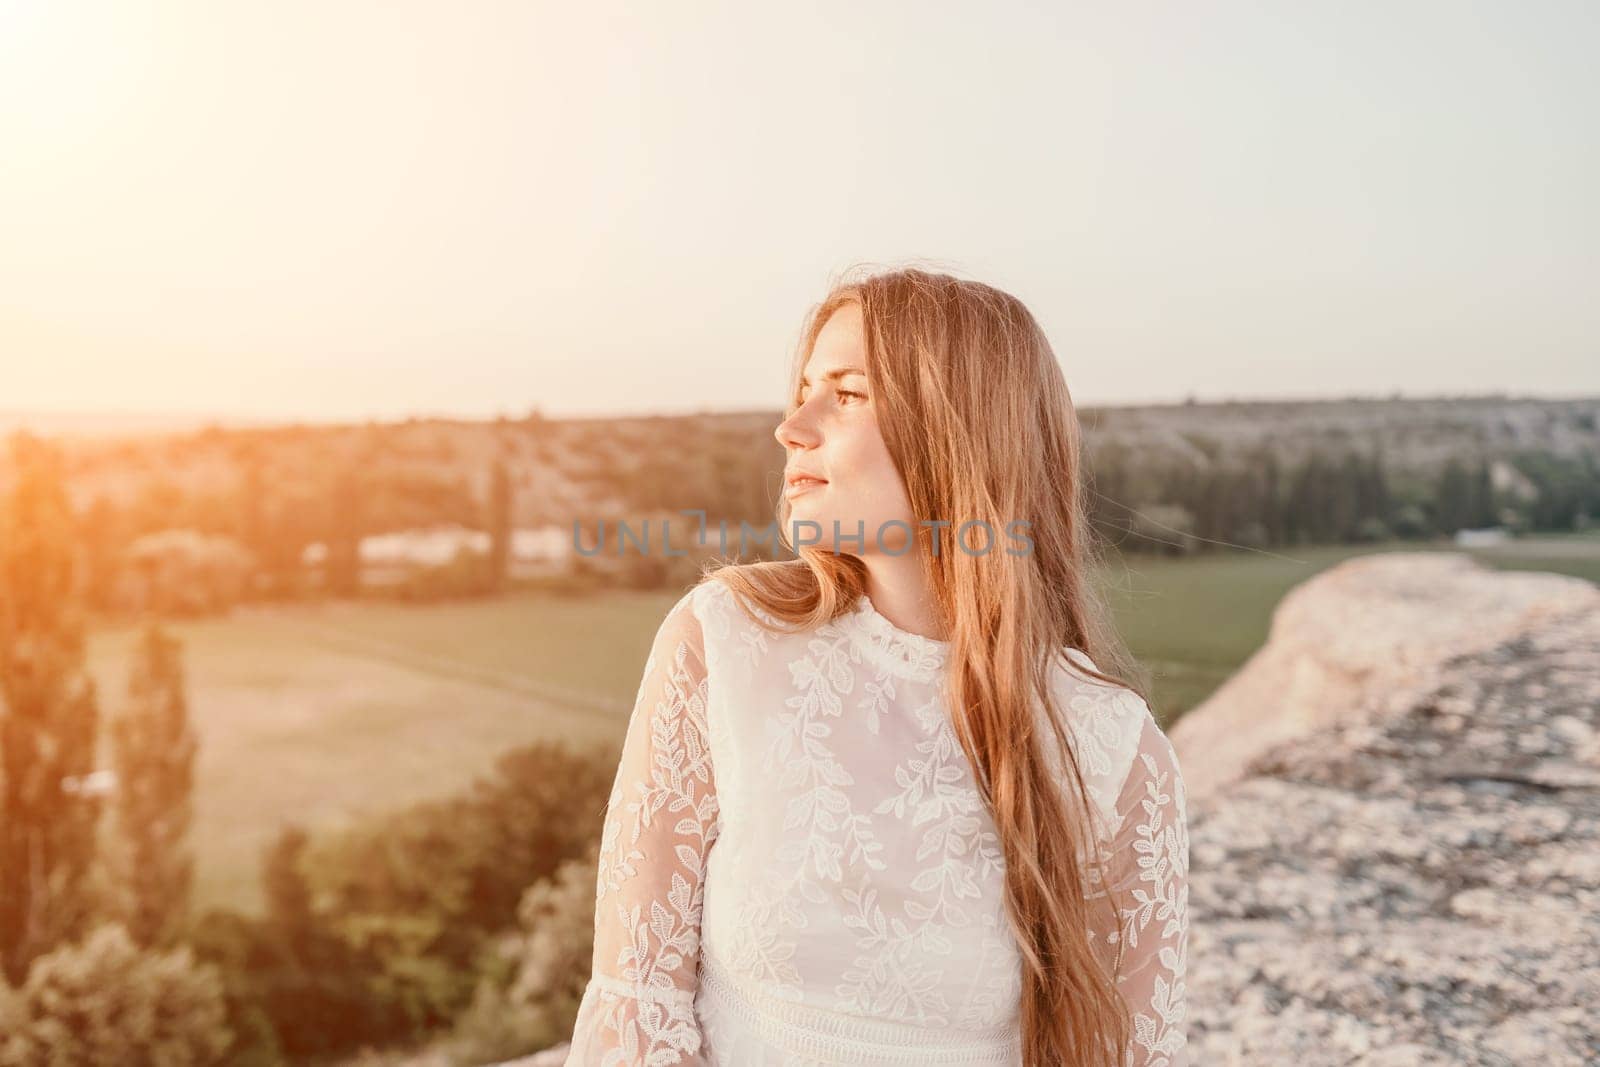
(1576, 554)
(1195, 622)
(323, 714)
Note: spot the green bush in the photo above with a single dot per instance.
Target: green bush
(106, 1001)
(1411, 523)
(532, 1002)
(1372, 530)
(384, 934)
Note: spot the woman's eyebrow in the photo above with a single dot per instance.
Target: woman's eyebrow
(837, 372)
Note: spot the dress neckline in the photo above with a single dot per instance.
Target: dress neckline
(899, 651)
(905, 653)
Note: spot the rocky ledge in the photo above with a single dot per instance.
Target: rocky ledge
(1395, 825)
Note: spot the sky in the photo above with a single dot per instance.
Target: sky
(353, 209)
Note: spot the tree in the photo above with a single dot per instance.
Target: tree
(288, 895)
(1309, 511)
(345, 521)
(1271, 517)
(1483, 503)
(1375, 493)
(105, 1001)
(499, 524)
(1453, 503)
(1164, 528)
(556, 922)
(101, 535)
(49, 719)
(253, 525)
(546, 960)
(1347, 493)
(153, 751)
(308, 984)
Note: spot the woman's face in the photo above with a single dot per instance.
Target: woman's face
(833, 436)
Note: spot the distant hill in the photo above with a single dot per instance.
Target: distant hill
(1238, 472)
(79, 424)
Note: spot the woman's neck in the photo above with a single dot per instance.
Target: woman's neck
(899, 590)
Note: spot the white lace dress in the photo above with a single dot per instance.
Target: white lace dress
(796, 867)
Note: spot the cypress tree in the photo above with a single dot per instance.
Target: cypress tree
(500, 523)
(49, 719)
(153, 751)
(1453, 500)
(345, 524)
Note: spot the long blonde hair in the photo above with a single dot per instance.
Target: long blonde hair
(976, 414)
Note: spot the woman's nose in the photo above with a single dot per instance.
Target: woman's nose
(796, 431)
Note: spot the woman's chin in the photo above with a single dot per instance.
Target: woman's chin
(815, 526)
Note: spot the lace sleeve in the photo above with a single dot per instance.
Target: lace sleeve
(660, 824)
(1148, 865)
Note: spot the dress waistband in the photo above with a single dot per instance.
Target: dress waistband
(817, 1032)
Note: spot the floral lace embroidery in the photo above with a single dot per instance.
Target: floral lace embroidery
(834, 833)
(889, 978)
(1155, 929)
(864, 886)
(661, 822)
(903, 653)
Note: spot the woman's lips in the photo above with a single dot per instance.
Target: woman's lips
(801, 485)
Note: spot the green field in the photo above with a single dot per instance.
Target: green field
(320, 715)
(327, 713)
(1194, 622)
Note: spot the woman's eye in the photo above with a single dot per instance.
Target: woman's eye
(842, 393)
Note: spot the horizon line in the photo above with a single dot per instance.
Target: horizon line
(10, 417)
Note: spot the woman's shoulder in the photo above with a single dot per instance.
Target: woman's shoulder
(706, 593)
(1081, 674)
(710, 611)
(1110, 723)
(721, 607)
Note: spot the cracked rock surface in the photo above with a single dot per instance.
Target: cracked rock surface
(1417, 882)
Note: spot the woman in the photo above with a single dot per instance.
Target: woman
(878, 804)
